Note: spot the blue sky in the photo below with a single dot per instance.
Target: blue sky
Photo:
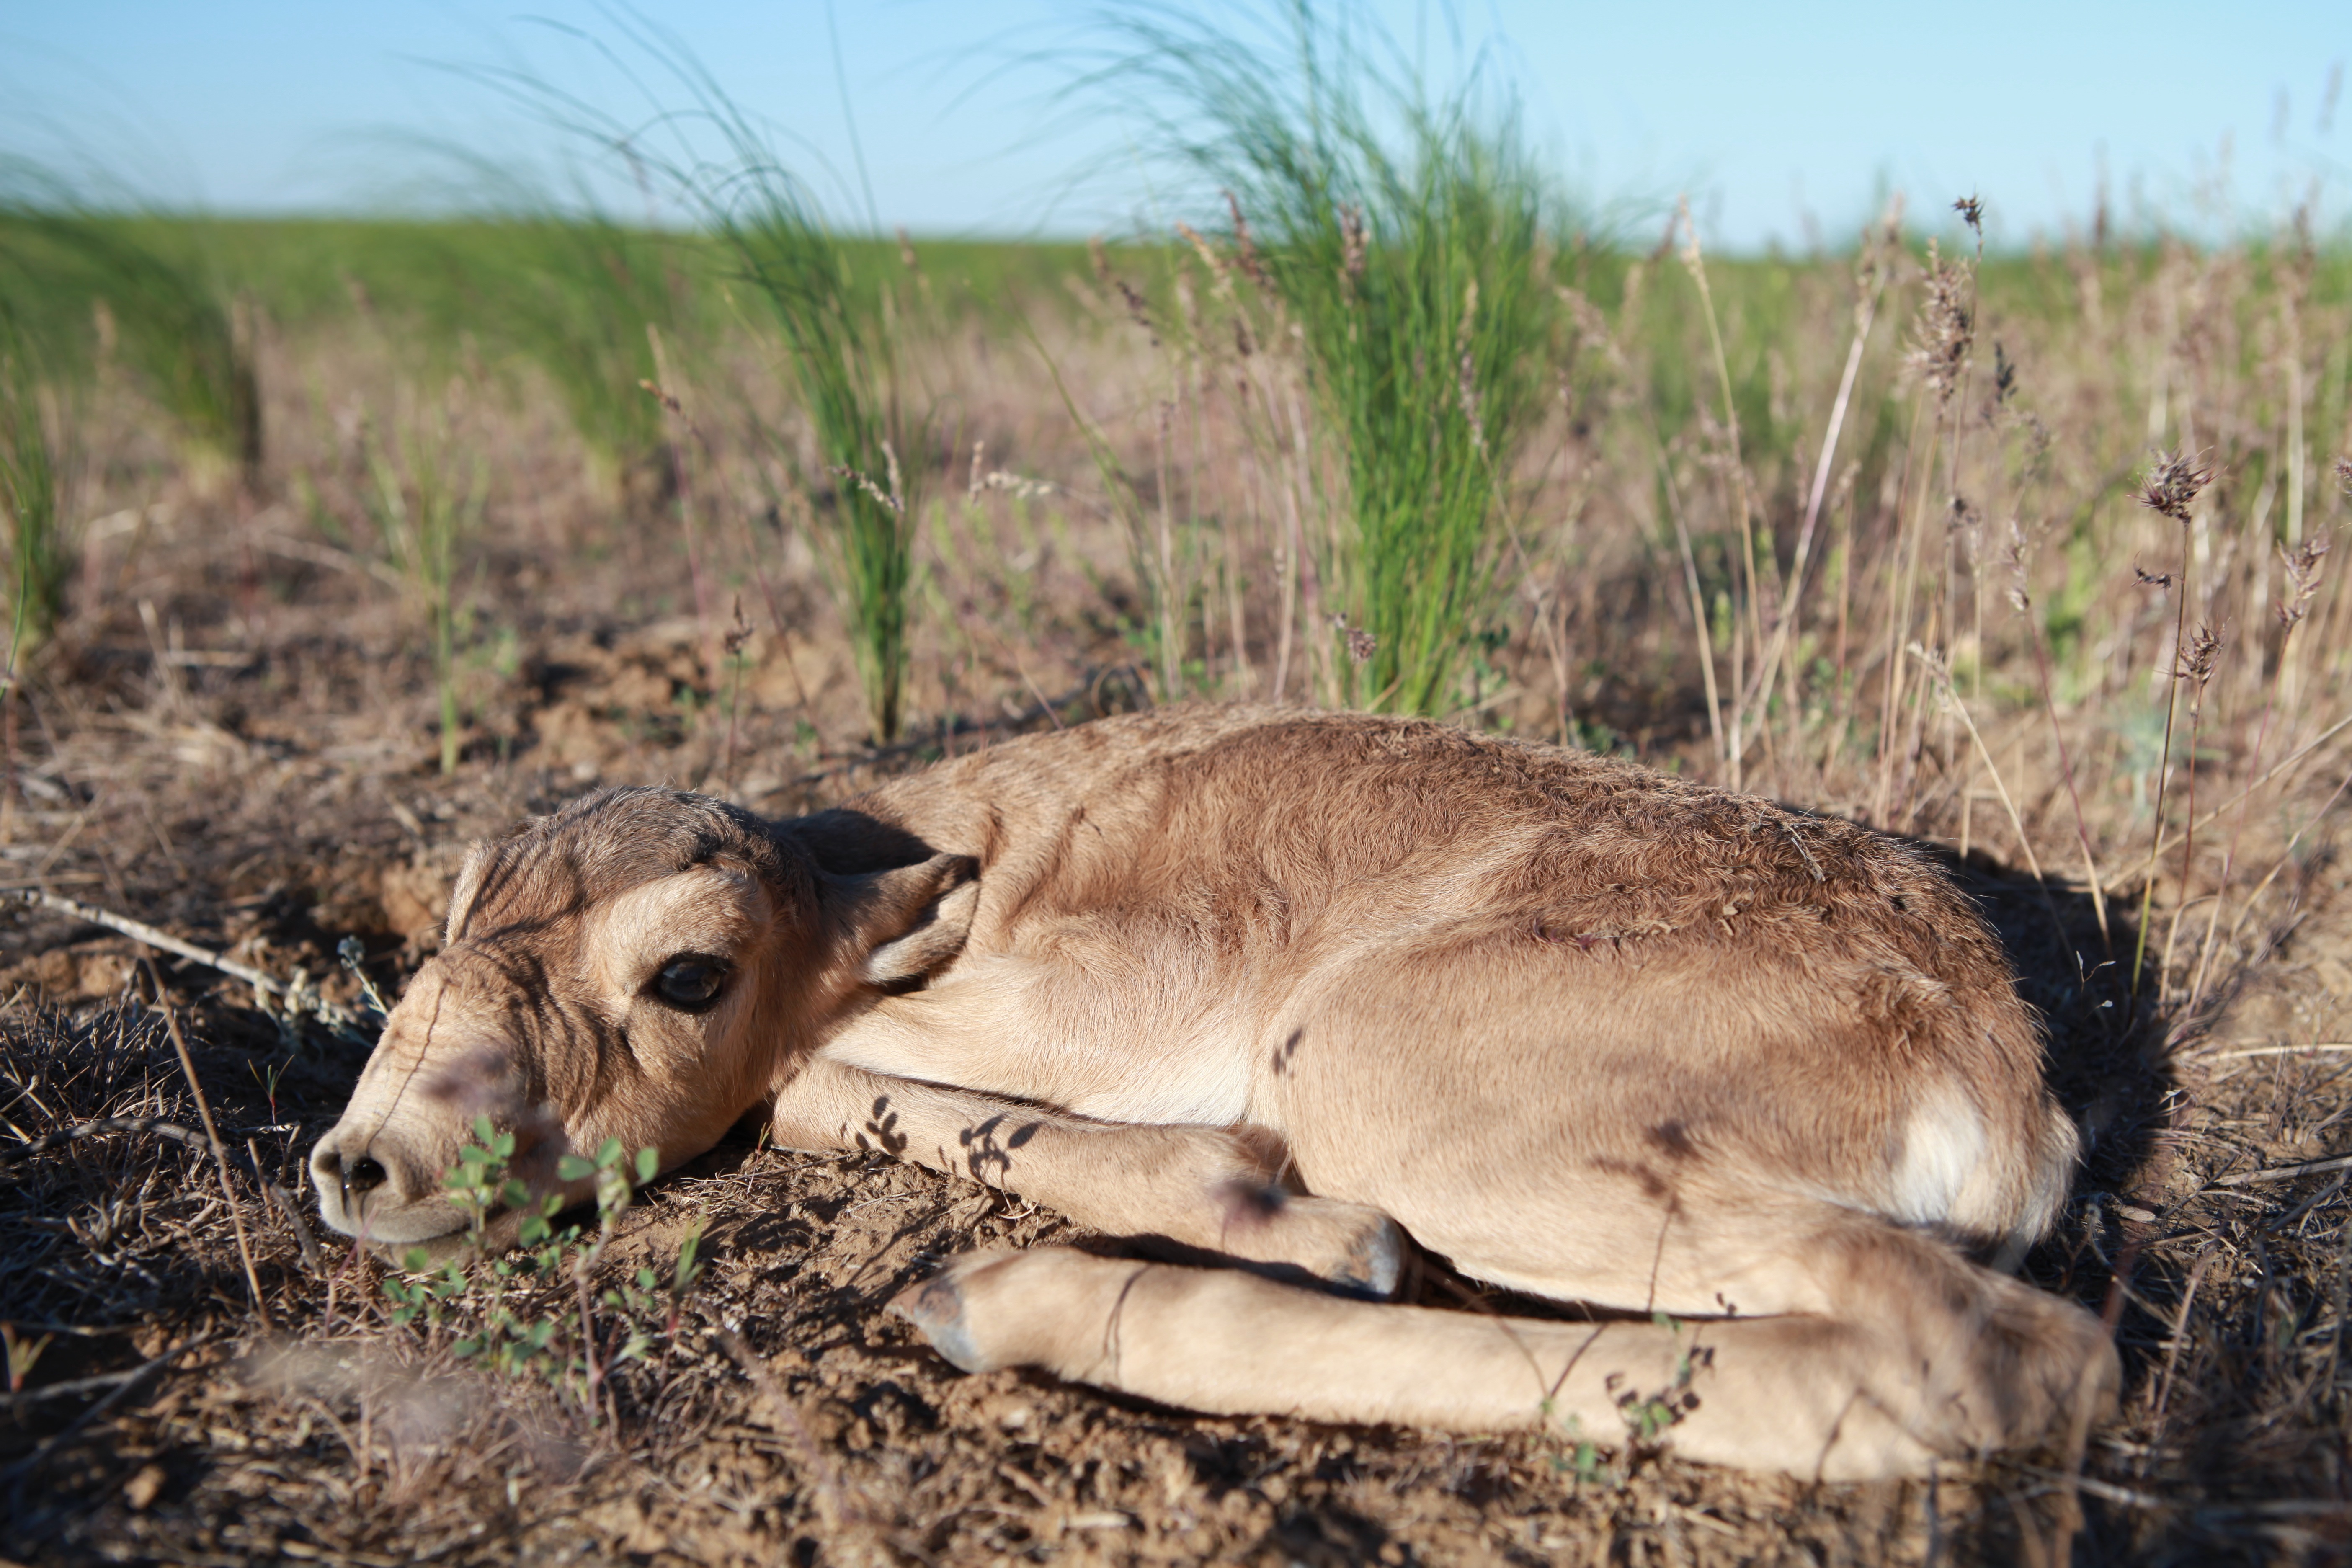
(1779, 122)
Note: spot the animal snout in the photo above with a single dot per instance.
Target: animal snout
(359, 1183)
(356, 1177)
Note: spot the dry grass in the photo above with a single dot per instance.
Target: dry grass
(234, 735)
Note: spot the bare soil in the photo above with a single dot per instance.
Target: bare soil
(240, 752)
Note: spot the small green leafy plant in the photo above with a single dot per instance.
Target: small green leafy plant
(23, 1354)
(1648, 1416)
(510, 1314)
(1581, 1456)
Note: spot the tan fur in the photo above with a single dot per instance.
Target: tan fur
(1584, 1029)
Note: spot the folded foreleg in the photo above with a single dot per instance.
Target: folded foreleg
(1209, 1189)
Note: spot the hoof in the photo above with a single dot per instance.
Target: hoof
(1375, 1265)
(935, 1309)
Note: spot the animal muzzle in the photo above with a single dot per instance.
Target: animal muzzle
(379, 1172)
(373, 1187)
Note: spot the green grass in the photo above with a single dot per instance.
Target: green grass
(39, 565)
(1403, 237)
(447, 272)
(860, 470)
(583, 299)
(427, 485)
(146, 290)
(841, 329)
(1417, 533)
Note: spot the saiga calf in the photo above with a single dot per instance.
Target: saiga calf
(1289, 989)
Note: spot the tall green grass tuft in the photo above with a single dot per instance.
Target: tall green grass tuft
(39, 564)
(860, 462)
(86, 281)
(545, 273)
(1403, 238)
(428, 484)
(840, 327)
(597, 293)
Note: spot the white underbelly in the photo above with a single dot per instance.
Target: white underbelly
(1184, 1082)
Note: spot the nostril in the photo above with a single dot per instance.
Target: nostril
(365, 1177)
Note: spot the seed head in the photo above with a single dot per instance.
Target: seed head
(1013, 484)
(1361, 643)
(1947, 327)
(1467, 369)
(2019, 599)
(1693, 261)
(2303, 564)
(1137, 308)
(2159, 580)
(2344, 474)
(1202, 248)
(2197, 656)
(2174, 484)
(1246, 247)
(1971, 211)
(893, 497)
(1352, 245)
(1467, 384)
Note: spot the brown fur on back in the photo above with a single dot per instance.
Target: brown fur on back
(1243, 842)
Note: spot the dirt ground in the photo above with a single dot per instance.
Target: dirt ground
(240, 753)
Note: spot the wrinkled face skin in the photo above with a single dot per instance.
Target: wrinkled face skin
(645, 965)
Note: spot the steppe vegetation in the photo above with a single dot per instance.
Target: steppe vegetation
(333, 543)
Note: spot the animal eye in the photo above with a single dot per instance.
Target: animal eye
(690, 982)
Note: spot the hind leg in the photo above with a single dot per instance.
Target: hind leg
(1919, 1355)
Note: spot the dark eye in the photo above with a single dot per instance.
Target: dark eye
(691, 981)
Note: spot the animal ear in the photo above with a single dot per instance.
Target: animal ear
(910, 920)
(467, 888)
